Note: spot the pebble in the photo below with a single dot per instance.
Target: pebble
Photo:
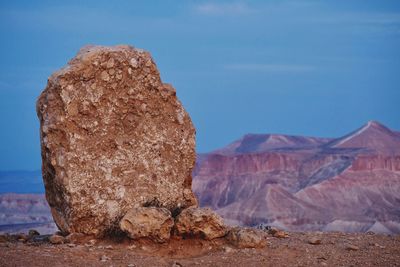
(352, 248)
(33, 232)
(228, 249)
(281, 234)
(272, 231)
(56, 239)
(314, 241)
(104, 258)
(22, 237)
(176, 264)
(131, 247)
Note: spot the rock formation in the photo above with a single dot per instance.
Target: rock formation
(113, 137)
(300, 183)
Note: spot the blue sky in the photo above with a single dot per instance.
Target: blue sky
(318, 68)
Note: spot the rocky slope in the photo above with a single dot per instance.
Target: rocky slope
(350, 183)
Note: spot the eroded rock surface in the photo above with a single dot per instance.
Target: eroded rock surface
(148, 222)
(113, 137)
(200, 222)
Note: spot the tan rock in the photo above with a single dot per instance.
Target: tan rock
(280, 234)
(352, 247)
(148, 222)
(75, 238)
(247, 238)
(198, 222)
(314, 241)
(102, 153)
(273, 230)
(56, 239)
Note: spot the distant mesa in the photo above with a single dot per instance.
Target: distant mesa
(253, 143)
(301, 183)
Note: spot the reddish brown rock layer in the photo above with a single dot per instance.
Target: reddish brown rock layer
(300, 183)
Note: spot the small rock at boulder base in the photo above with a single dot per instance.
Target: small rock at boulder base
(200, 222)
(148, 222)
(56, 239)
(33, 232)
(247, 238)
(75, 238)
(113, 137)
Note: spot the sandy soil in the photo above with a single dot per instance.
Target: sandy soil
(336, 249)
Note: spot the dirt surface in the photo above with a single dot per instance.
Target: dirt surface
(335, 249)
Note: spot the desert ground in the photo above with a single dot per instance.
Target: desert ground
(329, 249)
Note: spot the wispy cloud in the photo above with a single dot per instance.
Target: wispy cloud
(294, 68)
(372, 22)
(76, 19)
(359, 18)
(236, 8)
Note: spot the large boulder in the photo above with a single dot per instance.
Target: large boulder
(113, 137)
(200, 222)
(148, 222)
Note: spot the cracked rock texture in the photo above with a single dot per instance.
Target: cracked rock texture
(200, 222)
(113, 137)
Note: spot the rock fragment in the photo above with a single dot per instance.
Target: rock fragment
(247, 238)
(33, 232)
(280, 234)
(351, 247)
(148, 222)
(56, 239)
(200, 222)
(104, 258)
(314, 241)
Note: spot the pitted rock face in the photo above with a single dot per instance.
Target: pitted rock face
(148, 222)
(200, 222)
(113, 137)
